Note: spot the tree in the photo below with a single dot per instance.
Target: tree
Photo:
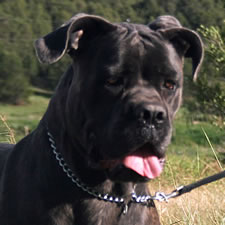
(13, 83)
(210, 89)
(23, 21)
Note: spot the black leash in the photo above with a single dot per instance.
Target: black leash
(184, 189)
(201, 182)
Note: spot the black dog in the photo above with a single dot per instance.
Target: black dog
(109, 121)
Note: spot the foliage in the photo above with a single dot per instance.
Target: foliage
(12, 81)
(23, 21)
(215, 46)
(211, 98)
(211, 89)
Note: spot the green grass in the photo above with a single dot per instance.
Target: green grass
(189, 157)
(23, 118)
(186, 135)
(188, 138)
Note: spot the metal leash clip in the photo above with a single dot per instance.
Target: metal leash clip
(161, 196)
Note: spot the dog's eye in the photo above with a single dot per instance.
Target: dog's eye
(115, 84)
(114, 81)
(170, 85)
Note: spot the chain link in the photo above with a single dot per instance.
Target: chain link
(138, 199)
(75, 180)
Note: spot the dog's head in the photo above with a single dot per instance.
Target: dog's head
(124, 88)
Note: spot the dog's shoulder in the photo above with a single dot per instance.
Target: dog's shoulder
(5, 149)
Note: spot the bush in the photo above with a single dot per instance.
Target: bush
(14, 85)
(210, 89)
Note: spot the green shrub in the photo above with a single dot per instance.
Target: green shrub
(13, 82)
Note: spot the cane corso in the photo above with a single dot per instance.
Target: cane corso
(107, 126)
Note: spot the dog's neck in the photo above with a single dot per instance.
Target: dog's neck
(86, 205)
(85, 174)
(93, 182)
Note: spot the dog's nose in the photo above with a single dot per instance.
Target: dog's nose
(152, 114)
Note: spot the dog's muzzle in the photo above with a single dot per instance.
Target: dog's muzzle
(146, 130)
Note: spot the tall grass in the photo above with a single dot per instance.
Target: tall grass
(9, 133)
(202, 206)
(22, 118)
(192, 155)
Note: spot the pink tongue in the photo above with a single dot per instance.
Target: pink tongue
(147, 166)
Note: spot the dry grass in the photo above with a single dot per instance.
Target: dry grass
(9, 133)
(203, 206)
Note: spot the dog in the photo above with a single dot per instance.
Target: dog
(107, 126)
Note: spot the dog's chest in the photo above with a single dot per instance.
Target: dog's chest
(62, 215)
(96, 212)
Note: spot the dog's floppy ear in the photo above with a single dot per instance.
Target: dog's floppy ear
(53, 46)
(186, 41)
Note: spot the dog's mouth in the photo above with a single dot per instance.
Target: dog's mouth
(141, 161)
(149, 166)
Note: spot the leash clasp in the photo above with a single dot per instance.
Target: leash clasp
(161, 196)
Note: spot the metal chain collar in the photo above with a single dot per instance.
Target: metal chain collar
(138, 199)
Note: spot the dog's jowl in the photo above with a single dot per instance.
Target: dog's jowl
(106, 129)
